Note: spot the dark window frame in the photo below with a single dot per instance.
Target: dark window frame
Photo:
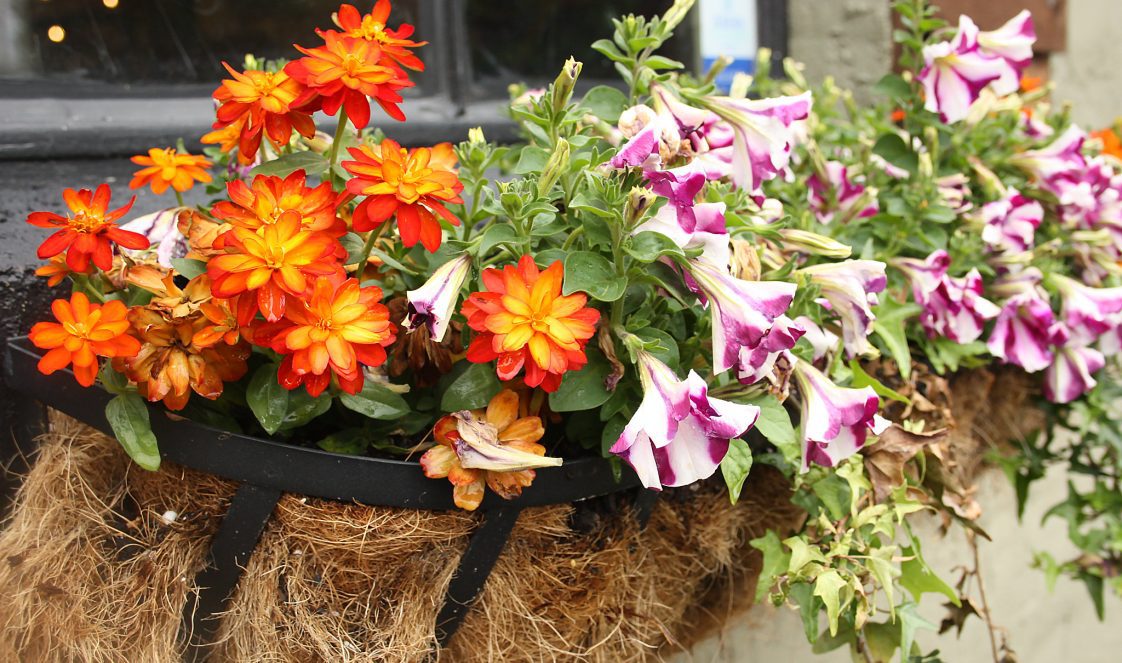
(108, 121)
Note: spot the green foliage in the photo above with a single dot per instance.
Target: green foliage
(127, 414)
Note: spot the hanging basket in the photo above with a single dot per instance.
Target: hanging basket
(243, 549)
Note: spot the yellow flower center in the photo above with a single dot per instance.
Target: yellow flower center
(372, 29)
(86, 223)
(264, 83)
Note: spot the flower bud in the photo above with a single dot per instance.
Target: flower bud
(557, 164)
(813, 243)
(676, 13)
(639, 200)
(564, 84)
(475, 137)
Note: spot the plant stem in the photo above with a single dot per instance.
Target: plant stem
(333, 154)
(972, 539)
(179, 198)
(368, 247)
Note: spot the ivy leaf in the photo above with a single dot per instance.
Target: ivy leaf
(606, 103)
(918, 578)
(889, 326)
(910, 622)
(828, 586)
(801, 554)
(474, 388)
(735, 467)
(583, 389)
(188, 268)
(376, 401)
(128, 416)
(776, 561)
(267, 398)
(835, 495)
(880, 564)
(592, 273)
(863, 379)
(309, 162)
(775, 425)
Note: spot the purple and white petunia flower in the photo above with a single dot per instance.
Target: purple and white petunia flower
(836, 421)
(1070, 374)
(742, 312)
(1087, 312)
(680, 187)
(679, 434)
(762, 134)
(162, 231)
(709, 233)
(955, 192)
(1026, 328)
(1011, 223)
(1011, 42)
(434, 303)
(756, 363)
(956, 71)
(822, 340)
(840, 197)
(1062, 156)
(952, 307)
(652, 139)
(850, 290)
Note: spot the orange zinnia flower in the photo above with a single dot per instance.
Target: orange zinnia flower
(272, 197)
(336, 331)
(411, 183)
(1031, 83)
(525, 322)
(372, 27)
(259, 103)
(275, 262)
(169, 167)
(344, 72)
(1111, 143)
(172, 362)
(493, 447)
(83, 333)
(89, 233)
(54, 271)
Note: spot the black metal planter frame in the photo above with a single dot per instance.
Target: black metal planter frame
(264, 469)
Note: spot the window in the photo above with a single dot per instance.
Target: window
(99, 77)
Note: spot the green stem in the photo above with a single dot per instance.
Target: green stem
(470, 220)
(179, 198)
(333, 154)
(572, 238)
(367, 248)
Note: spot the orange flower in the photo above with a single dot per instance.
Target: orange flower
(258, 103)
(89, 233)
(55, 271)
(525, 322)
(493, 447)
(372, 27)
(228, 137)
(276, 262)
(172, 362)
(1111, 143)
(222, 322)
(336, 331)
(83, 333)
(411, 183)
(1031, 83)
(168, 167)
(272, 197)
(344, 72)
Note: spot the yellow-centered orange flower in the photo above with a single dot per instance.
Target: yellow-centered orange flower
(83, 333)
(279, 261)
(413, 184)
(55, 271)
(258, 103)
(524, 321)
(169, 167)
(1112, 145)
(172, 361)
(495, 448)
(343, 73)
(372, 27)
(271, 197)
(88, 232)
(335, 332)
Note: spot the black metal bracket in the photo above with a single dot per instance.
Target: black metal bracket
(230, 550)
(479, 558)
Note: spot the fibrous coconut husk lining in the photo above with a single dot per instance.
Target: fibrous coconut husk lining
(99, 557)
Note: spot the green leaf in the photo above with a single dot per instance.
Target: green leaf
(613, 428)
(376, 401)
(500, 233)
(889, 326)
(606, 103)
(863, 379)
(801, 554)
(303, 407)
(828, 586)
(835, 494)
(735, 467)
(667, 350)
(809, 608)
(111, 380)
(531, 159)
(1094, 586)
(352, 441)
(474, 388)
(582, 203)
(649, 246)
(354, 244)
(309, 162)
(918, 578)
(657, 62)
(893, 87)
(592, 273)
(776, 561)
(188, 268)
(775, 425)
(267, 398)
(128, 416)
(895, 151)
(880, 563)
(583, 389)
(910, 622)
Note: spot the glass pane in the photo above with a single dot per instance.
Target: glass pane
(529, 41)
(162, 41)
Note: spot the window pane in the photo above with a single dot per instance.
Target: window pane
(165, 41)
(529, 41)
